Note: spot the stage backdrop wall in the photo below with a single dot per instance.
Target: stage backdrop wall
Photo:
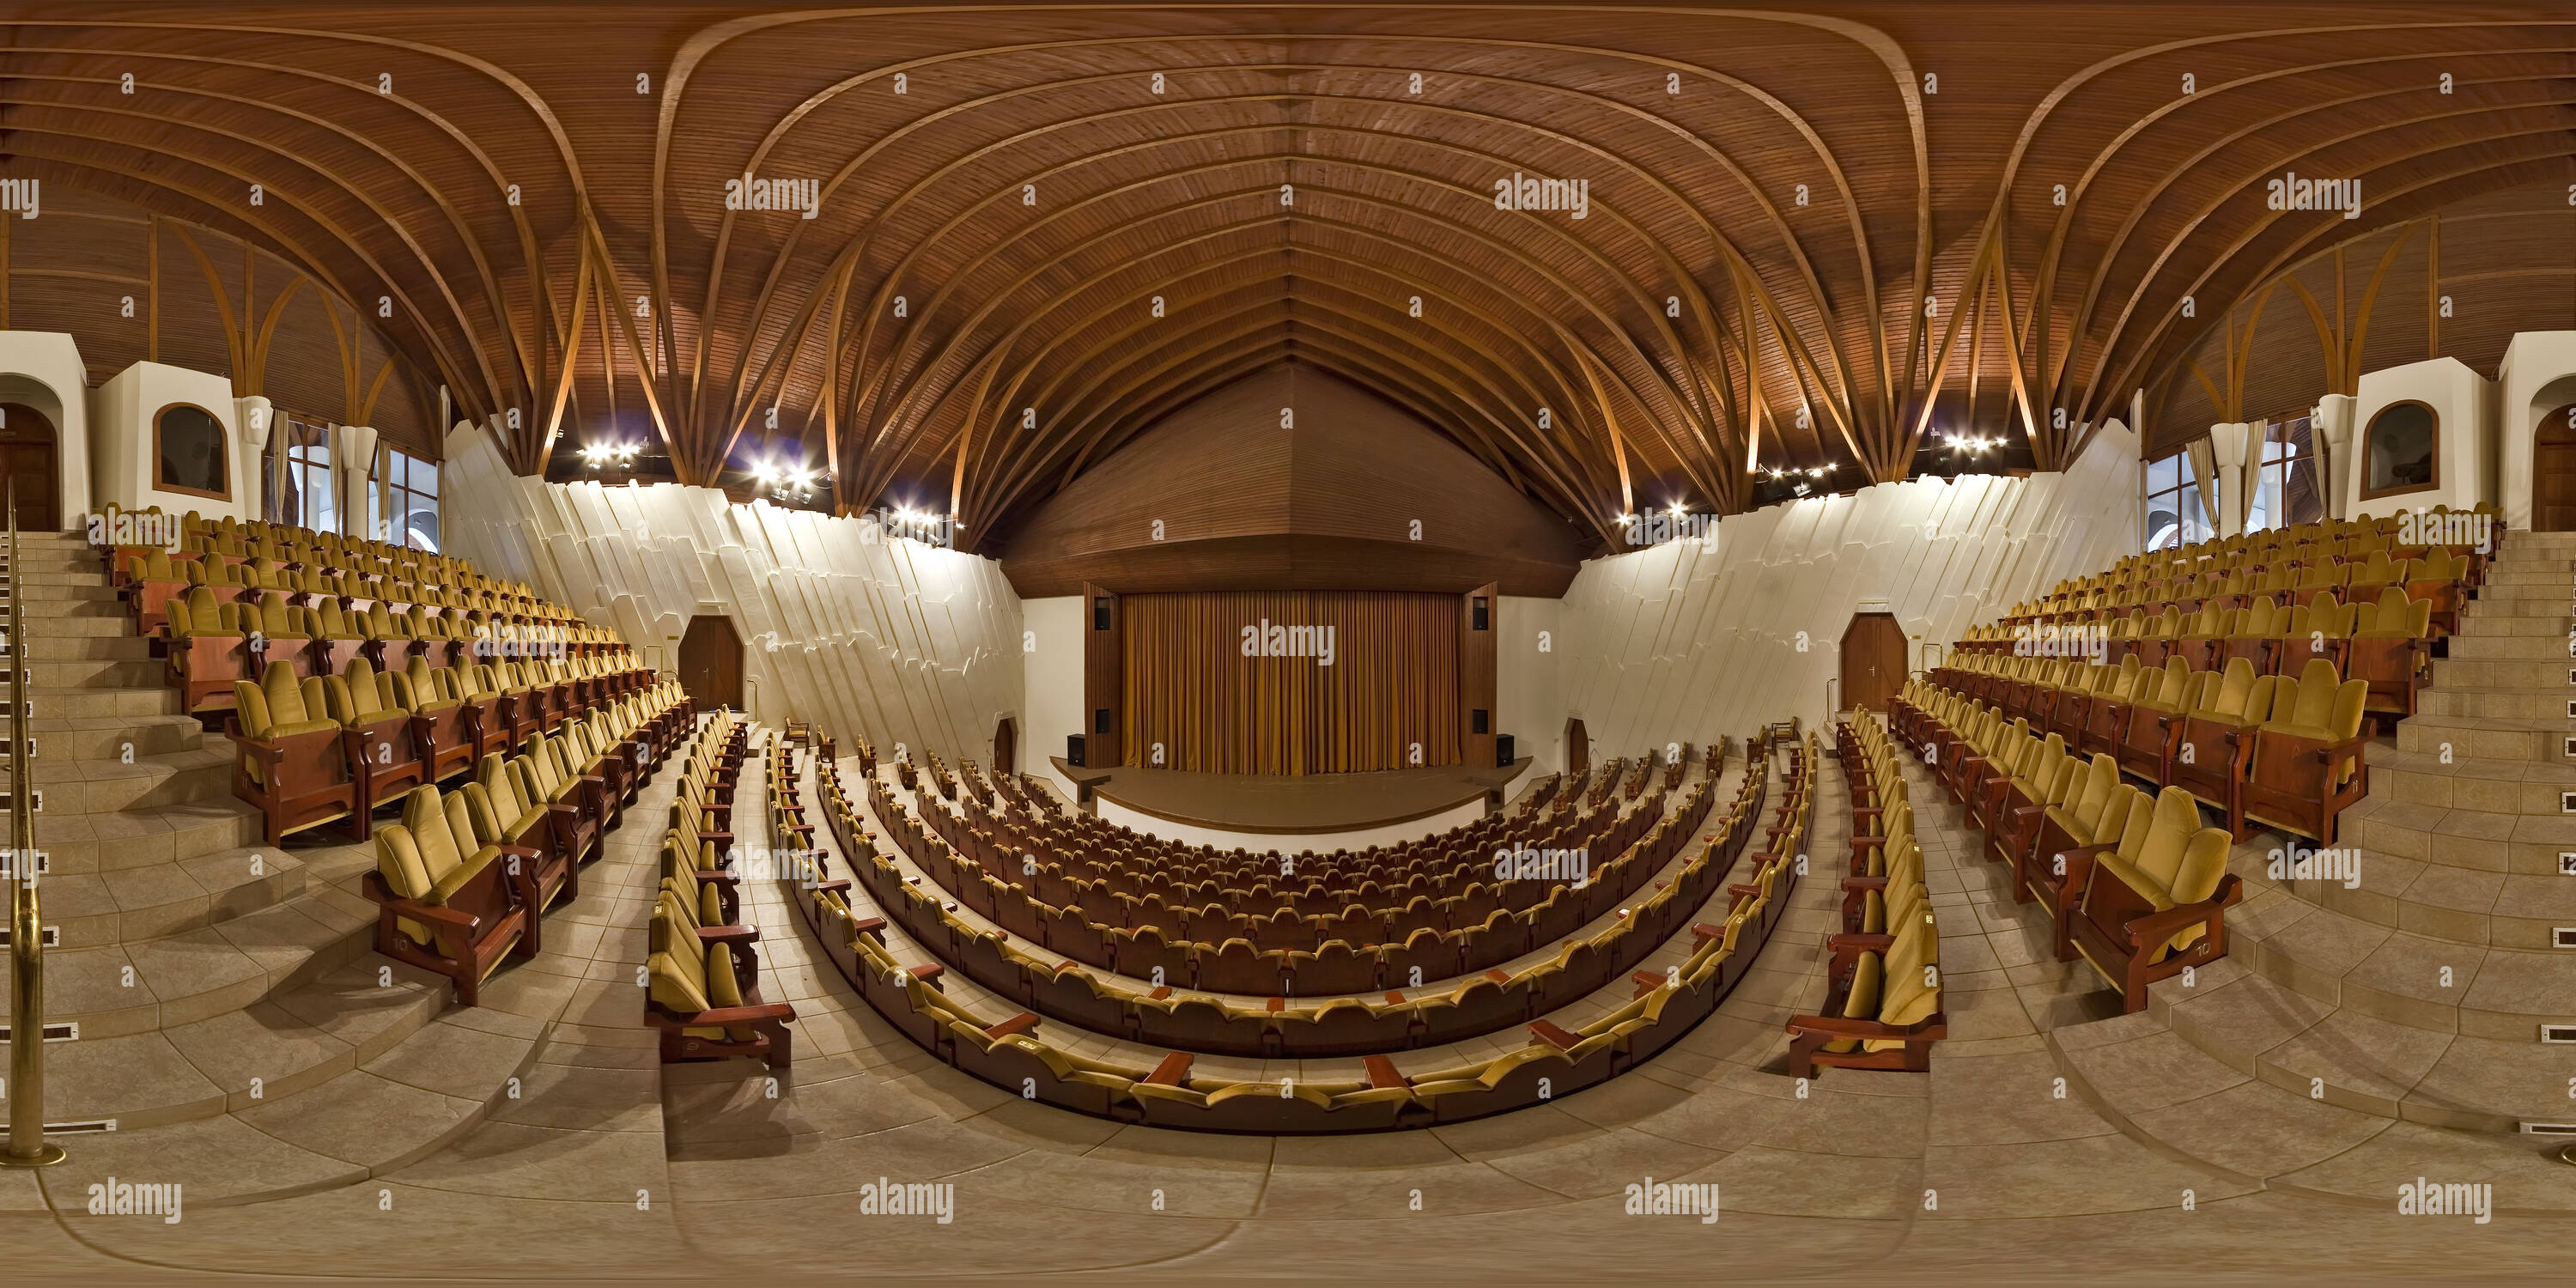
(1375, 680)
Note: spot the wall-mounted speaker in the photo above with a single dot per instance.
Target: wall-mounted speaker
(1503, 751)
(1073, 750)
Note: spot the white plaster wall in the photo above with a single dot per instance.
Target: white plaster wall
(1051, 683)
(1290, 843)
(2466, 404)
(2537, 377)
(43, 370)
(899, 641)
(1685, 642)
(122, 469)
(1529, 697)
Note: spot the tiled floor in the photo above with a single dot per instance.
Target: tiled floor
(1996, 1165)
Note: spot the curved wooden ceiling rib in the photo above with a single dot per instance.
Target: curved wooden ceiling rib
(710, 317)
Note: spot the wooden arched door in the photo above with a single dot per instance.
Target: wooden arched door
(1873, 656)
(711, 663)
(1006, 747)
(1578, 748)
(2553, 472)
(27, 450)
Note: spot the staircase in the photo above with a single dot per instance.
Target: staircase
(2418, 992)
(224, 991)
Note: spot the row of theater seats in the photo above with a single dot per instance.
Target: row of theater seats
(1464, 893)
(2138, 887)
(2390, 643)
(1883, 985)
(1265, 1022)
(1013, 1054)
(1036, 835)
(2284, 750)
(2357, 559)
(462, 882)
(703, 975)
(354, 671)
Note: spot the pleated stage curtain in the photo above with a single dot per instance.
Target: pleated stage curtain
(1219, 700)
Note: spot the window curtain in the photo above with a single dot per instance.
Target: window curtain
(1190, 687)
(2204, 468)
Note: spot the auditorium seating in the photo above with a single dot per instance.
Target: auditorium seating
(1014, 1052)
(462, 882)
(352, 671)
(704, 997)
(1883, 999)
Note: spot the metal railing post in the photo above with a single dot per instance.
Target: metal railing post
(27, 1147)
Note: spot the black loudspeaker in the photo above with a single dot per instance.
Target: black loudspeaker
(1503, 751)
(1073, 750)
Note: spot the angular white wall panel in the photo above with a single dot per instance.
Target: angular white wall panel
(901, 642)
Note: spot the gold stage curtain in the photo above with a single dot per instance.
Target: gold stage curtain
(1189, 686)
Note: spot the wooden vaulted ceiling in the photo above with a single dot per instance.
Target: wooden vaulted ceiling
(1812, 239)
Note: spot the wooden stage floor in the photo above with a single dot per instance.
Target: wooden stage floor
(1300, 803)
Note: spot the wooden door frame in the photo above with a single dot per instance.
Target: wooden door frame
(680, 657)
(1843, 656)
(1578, 747)
(1006, 734)
(53, 464)
(2557, 417)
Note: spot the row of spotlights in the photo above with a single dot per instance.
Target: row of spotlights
(598, 454)
(1816, 472)
(1958, 444)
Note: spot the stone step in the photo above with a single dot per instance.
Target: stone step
(2334, 1056)
(110, 738)
(109, 786)
(48, 625)
(2531, 572)
(133, 905)
(2481, 623)
(2537, 646)
(2480, 841)
(2435, 900)
(62, 588)
(2409, 980)
(77, 843)
(366, 1098)
(146, 986)
(2485, 737)
(2556, 591)
(2472, 673)
(2482, 785)
(2254, 1124)
(98, 673)
(2526, 703)
(96, 646)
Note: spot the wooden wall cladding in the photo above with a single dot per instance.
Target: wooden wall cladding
(1328, 502)
(73, 268)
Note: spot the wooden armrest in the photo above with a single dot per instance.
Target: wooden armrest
(1499, 975)
(928, 972)
(1382, 1073)
(1278, 1004)
(1932, 1027)
(724, 1015)
(1174, 1071)
(1552, 1035)
(1703, 932)
(1394, 998)
(1017, 1024)
(728, 934)
(1161, 993)
(870, 926)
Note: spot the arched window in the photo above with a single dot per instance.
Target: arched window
(190, 452)
(2401, 451)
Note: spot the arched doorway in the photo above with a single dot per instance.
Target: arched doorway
(711, 663)
(1873, 654)
(1578, 748)
(2553, 472)
(27, 449)
(1006, 748)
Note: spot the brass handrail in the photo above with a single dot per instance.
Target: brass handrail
(27, 1147)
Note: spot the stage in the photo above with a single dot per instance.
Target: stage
(1293, 812)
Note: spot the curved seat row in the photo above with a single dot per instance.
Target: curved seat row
(1015, 1054)
(703, 975)
(462, 881)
